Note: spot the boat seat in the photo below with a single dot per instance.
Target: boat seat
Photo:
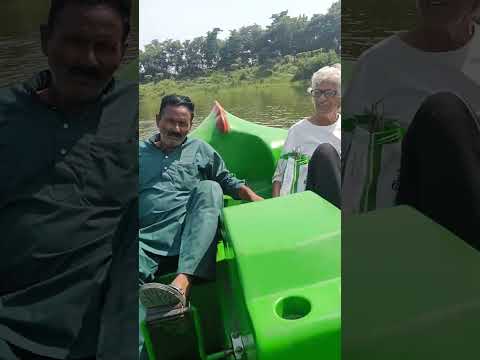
(250, 151)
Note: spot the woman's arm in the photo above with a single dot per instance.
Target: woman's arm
(282, 164)
(276, 188)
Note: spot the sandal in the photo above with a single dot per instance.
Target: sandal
(155, 295)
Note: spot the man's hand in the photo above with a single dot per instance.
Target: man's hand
(247, 194)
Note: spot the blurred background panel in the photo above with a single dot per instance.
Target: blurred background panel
(20, 52)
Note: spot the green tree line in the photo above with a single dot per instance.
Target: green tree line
(245, 47)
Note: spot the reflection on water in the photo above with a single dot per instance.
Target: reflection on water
(366, 22)
(20, 57)
(276, 105)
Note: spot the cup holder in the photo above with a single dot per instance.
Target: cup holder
(293, 308)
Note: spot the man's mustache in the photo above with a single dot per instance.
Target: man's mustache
(174, 134)
(85, 71)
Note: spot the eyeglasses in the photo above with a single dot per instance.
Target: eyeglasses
(327, 93)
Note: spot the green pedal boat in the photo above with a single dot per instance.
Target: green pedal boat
(277, 291)
(411, 288)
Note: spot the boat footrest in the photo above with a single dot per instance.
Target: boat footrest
(175, 336)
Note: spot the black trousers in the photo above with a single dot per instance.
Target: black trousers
(324, 174)
(440, 167)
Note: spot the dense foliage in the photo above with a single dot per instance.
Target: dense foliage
(307, 42)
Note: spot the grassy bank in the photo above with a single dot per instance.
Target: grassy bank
(288, 69)
(213, 83)
(272, 95)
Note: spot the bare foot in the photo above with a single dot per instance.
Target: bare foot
(183, 282)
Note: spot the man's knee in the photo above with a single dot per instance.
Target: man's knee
(209, 189)
(446, 115)
(445, 109)
(324, 151)
(325, 155)
(444, 101)
(208, 186)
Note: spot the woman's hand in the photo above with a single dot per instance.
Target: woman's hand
(276, 188)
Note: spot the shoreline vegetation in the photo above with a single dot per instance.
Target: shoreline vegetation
(243, 67)
(289, 69)
(250, 52)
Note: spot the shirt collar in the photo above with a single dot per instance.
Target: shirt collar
(42, 80)
(152, 139)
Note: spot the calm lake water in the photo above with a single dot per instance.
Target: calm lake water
(20, 52)
(278, 105)
(367, 22)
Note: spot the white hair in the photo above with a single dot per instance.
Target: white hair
(328, 73)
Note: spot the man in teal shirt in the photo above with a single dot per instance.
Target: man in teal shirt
(181, 187)
(68, 194)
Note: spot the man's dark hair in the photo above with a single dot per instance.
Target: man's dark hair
(122, 7)
(177, 100)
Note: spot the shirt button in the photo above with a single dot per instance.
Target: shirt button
(63, 151)
(164, 168)
(166, 156)
(65, 126)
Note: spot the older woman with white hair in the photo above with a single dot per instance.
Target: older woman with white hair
(427, 79)
(322, 127)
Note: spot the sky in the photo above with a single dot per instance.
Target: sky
(188, 19)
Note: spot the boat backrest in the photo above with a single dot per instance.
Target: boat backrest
(250, 151)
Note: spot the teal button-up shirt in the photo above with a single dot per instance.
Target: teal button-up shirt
(68, 220)
(165, 183)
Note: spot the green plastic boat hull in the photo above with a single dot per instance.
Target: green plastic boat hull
(284, 277)
(277, 293)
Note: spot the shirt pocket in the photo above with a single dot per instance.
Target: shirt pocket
(111, 171)
(184, 176)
